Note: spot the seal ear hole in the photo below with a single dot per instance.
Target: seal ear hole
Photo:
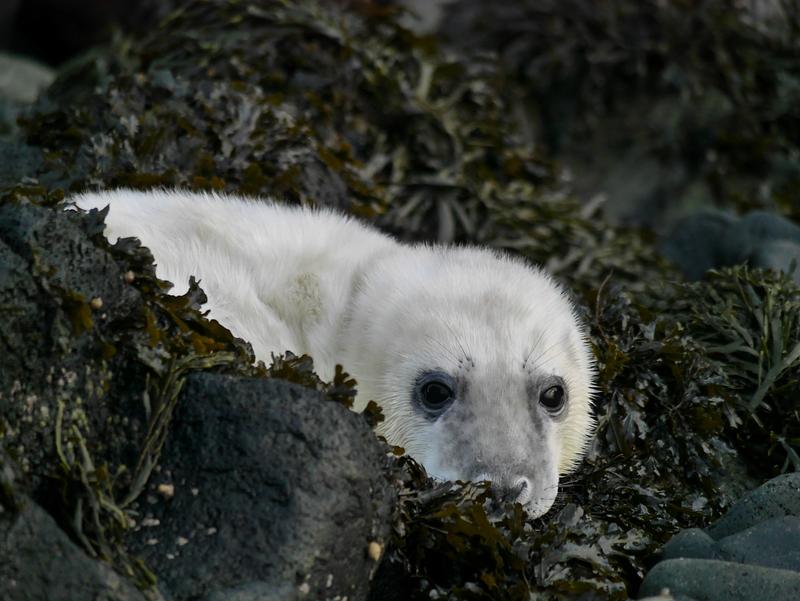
(553, 398)
(435, 392)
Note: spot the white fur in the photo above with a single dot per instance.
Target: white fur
(317, 282)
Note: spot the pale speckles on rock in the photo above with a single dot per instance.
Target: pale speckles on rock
(233, 521)
(374, 550)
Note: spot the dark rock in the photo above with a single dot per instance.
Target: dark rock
(780, 255)
(7, 11)
(695, 243)
(275, 491)
(38, 562)
(89, 349)
(92, 347)
(51, 351)
(713, 239)
(691, 542)
(774, 543)
(56, 30)
(753, 552)
(778, 497)
(17, 158)
(21, 80)
(256, 591)
(759, 226)
(713, 580)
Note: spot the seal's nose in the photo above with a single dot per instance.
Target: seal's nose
(523, 488)
(518, 492)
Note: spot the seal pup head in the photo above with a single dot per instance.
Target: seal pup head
(480, 365)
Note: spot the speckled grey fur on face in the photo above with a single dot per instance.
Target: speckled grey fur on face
(502, 331)
(485, 437)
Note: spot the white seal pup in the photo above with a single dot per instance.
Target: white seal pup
(477, 359)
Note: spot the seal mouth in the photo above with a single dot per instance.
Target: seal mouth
(497, 506)
(502, 499)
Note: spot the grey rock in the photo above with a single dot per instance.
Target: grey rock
(751, 553)
(693, 543)
(777, 497)
(760, 226)
(666, 595)
(16, 158)
(764, 240)
(255, 591)
(44, 255)
(695, 243)
(22, 79)
(773, 543)
(780, 255)
(277, 495)
(713, 239)
(714, 580)
(38, 562)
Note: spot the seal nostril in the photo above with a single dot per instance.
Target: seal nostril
(521, 491)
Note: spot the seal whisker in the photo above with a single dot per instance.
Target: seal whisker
(457, 339)
(442, 346)
(533, 348)
(544, 354)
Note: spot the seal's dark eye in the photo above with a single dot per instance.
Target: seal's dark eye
(436, 395)
(435, 392)
(552, 398)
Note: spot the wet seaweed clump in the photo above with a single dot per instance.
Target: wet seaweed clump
(310, 103)
(706, 89)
